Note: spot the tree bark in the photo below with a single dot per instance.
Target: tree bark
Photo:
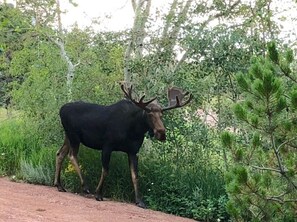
(135, 45)
(70, 67)
(59, 16)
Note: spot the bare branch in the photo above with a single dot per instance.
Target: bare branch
(169, 16)
(211, 18)
(284, 143)
(221, 14)
(181, 19)
(183, 58)
(133, 5)
(280, 200)
(266, 168)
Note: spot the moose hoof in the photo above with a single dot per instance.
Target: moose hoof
(86, 190)
(99, 198)
(141, 204)
(60, 188)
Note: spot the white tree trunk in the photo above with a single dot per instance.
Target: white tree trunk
(135, 47)
(70, 68)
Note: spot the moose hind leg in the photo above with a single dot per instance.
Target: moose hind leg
(133, 164)
(73, 158)
(60, 156)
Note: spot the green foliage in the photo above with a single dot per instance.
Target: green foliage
(227, 139)
(258, 179)
(294, 98)
(39, 168)
(240, 112)
(184, 191)
(242, 82)
(273, 52)
(289, 56)
(184, 175)
(14, 28)
(14, 146)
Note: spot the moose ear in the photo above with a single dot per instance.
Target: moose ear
(174, 93)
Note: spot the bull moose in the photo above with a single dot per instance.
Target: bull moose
(117, 127)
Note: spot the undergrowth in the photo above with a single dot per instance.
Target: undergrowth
(194, 190)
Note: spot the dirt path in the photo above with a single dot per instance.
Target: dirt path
(21, 202)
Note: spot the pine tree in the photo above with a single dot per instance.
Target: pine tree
(262, 182)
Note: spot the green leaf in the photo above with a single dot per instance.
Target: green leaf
(285, 66)
(258, 86)
(289, 55)
(277, 86)
(226, 139)
(266, 179)
(240, 112)
(256, 70)
(257, 177)
(287, 125)
(281, 104)
(267, 82)
(229, 177)
(294, 98)
(256, 140)
(232, 209)
(254, 120)
(249, 104)
(242, 82)
(238, 155)
(273, 53)
(233, 188)
(242, 175)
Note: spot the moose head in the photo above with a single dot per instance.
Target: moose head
(154, 111)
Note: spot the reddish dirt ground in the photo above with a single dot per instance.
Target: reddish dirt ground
(21, 202)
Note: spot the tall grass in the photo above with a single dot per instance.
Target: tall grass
(11, 146)
(22, 155)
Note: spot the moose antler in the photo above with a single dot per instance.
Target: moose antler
(141, 103)
(175, 96)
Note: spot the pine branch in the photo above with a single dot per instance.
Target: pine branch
(266, 168)
(279, 200)
(286, 142)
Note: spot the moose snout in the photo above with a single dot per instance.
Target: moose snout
(160, 134)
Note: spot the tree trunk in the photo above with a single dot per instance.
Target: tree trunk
(135, 45)
(59, 16)
(70, 68)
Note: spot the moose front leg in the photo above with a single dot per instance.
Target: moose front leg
(105, 167)
(133, 164)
